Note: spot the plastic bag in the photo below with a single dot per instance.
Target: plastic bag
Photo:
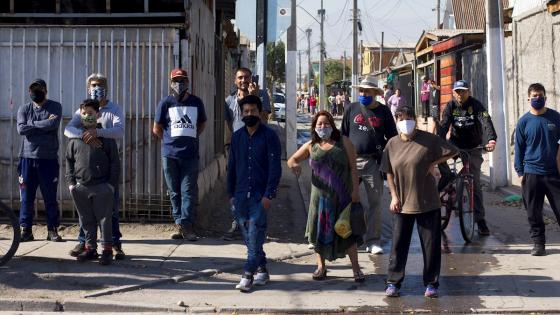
(342, 226)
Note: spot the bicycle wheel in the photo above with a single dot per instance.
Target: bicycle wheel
(445, 214)
(9, 234)
(465, 208)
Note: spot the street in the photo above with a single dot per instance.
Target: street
(493, 274)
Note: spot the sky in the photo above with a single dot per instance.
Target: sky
(402, 21)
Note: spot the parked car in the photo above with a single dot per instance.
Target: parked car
(279, 106)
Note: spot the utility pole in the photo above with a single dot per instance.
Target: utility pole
(299, 61)
(438, 10)
(355, 51)
(500, 172)
(291, 116)
(322, 104)
(381, 51)
(261, 25)
(344, 67)
(308, 33)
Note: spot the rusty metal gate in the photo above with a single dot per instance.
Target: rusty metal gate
(136, 60)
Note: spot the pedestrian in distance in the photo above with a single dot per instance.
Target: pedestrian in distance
(425, 96)
(409, 160)
(37, 123)
(471, 127)
(387, 92)
(332, 104)
(339, 103)
(92, 173)
(253, 174)
(180, 118)
(434, 105)
(312, 104)
(369, 125)
(395, 101)
(111, 120)
(334, 188)
(537, 161)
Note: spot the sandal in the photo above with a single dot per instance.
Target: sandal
(320, 274)
(359, 277)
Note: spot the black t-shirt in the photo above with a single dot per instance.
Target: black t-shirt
(365, 140)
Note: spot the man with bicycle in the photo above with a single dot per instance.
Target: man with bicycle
(471, 127)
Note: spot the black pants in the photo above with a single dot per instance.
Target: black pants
(535, 187)
(426, 109)
(429, 231)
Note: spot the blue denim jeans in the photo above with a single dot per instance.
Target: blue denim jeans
(181, 176)
(115, 222)
(252, 220)
(33, 174)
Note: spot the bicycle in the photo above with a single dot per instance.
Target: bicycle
(458, 196)
(9, 234)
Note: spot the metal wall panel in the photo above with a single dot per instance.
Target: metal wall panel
(137, 61)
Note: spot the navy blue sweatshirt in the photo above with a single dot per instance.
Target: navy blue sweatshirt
(40, 134)
(536, 143)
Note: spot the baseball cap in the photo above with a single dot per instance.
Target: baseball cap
(39, 82)
(178, 73)
(461, 85)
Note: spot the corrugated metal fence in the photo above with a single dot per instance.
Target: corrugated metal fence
(136, 59)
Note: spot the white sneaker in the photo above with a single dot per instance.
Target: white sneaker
(311, 246)
(245, 284)
(374, 249)
(262, 277)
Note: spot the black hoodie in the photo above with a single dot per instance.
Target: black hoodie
(92, 166)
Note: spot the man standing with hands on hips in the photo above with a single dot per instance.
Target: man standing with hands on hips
(179, 120)
(537, 159)
(369, 125)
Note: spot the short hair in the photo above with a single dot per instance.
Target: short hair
(536, 87)
(97, 77)
(250, 99)
(335, 135)
(405, 111)
(244, 69)
(91, 104)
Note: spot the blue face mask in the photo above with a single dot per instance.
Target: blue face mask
(365, 100)
(538, 102)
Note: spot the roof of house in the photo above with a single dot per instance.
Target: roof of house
(471, 14)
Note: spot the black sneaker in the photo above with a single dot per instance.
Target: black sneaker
(52, 235)
(26, 235)
(119, 254)
(189, 234)
(87, 254)
(178, 234)
(106, 257)
(77, 250)
(483, 228)
(538, 250)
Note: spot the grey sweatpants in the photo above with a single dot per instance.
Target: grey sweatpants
(95, 207)
(368, 171)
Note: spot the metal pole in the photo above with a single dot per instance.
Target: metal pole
(322, 104)
(262, 13)
(355, 51)
(291, 116)
(500, 172)
(299, 57)
(308, 32)
(344, 68)
(438, 10)
(381, 52)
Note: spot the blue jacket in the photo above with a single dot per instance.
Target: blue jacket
(254, 164)
(40, 134)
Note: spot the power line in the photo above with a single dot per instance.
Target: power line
(340, 16)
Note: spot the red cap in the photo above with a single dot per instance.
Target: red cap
(178, 72)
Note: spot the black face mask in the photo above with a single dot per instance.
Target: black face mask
(37, 96)
(251, 120)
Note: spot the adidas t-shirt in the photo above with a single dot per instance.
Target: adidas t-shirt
(179, 120)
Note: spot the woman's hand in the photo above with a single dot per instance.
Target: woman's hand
(355, 196)
(296, 169)
(395, 205)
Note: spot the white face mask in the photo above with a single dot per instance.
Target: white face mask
(406, 126)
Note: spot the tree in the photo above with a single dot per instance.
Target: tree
(333, 71)
(275, 59)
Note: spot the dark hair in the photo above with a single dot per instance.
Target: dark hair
(91, 104)
(243, 69)
(250, 99)
(335, 135)
(536, 87)
(405, 111)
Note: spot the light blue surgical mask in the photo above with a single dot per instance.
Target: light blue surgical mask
(324, 133)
